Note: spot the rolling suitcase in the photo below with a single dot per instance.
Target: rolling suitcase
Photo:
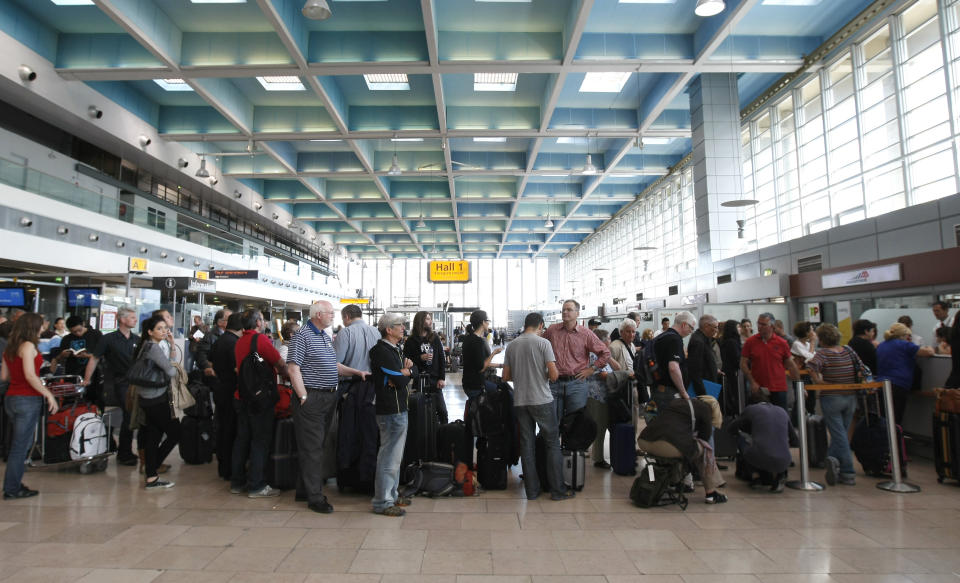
(196, 439)
(453, 444)
(492, 462)
(946, 446)
(358, 439)
(816, 441)
(422, 430)
(283, 465)
(623, 449)
(574, 468)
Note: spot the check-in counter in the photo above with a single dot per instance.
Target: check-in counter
(918, 416)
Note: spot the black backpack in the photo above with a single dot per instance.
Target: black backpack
(256, 380)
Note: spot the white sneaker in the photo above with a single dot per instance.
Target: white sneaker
(267, 492)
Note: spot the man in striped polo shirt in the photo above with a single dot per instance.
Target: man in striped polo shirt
(314, 372)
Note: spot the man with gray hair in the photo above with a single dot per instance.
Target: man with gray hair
(765, 360)
(314, 373)
(117, 348)
(701, 362)
(671, 360)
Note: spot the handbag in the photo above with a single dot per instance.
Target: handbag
(145, 373)
(180, 396)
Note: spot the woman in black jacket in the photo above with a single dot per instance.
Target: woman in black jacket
(391, 375)
(730, 354)
(425, 349)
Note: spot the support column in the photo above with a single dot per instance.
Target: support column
(715, 121)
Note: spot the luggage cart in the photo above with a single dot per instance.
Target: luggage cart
(69, 391)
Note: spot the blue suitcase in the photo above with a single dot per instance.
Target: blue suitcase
(623, 449)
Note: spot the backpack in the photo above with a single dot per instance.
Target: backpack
(89, 437)
(433, 479)
(256, 381)
(577, 430)
(647, 371)
(656, 486)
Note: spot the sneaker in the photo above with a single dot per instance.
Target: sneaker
(833, 470)
(603, 465)
(848, 479)
(563, 495)
(321, 507)
(266, 492)
(158, 485)
(778, 487)
(392, 511)
(23, 492)
(403, 501)
(715, 498)
(238, 490)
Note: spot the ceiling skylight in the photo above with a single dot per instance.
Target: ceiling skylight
(656, 141)
(282, 83)
(494, 140)
(326, 140)
(73, 2)
(173, 84)
(387, 82)
(604, 82)
(406, 139)
(790, 2)
(571, 140)
(494, 81)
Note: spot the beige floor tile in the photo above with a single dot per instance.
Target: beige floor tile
(268, 536)
(890, 578)
(458, 540)
(527, 563)
(180, 558)
(88, 533)
(495, 578)
(549, 522)
(310, 519)
(314, 560)
(371, 521)
(341, 578)
(459, 505)
(155, 534)
(644, 579)
(772, 538)
(836, 538)
(395, 539)
(194, 577)
(735, 562)
(808, 561)
(209, 536)
(120, 576)
(489, 522)
(670, 562)
(247, 559)
(568, 579)
(715, 578)
(704, 540)
(580, 540)
(387, 562)
(45, 574)
(457, 563)
(796, 578)
(445, 521)
(346, 538)
(247, 577)
(879, 561)
(409, 578)
(649, 540)
(114, 555)
(605, 521)
(931, 578)
(521, 506)
(526, 540)
(613, 562)
(721, 521)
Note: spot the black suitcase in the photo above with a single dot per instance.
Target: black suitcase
(283, 465)
(623, 449)
(816, 442)
(573, 467)
(946, 446)
(196, 440)
(358, 439)
(492, 462)
(422, 430)
(453, 444)
(724, 442)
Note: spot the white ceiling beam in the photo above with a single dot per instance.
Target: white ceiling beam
(426, 134)
(521, 187)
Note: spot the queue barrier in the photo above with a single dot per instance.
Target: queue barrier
(805, 483)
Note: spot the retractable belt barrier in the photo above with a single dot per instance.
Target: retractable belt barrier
(894, 485)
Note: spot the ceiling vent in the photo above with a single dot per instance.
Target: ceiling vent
(725, 278)
(673, 290)
(808, 264)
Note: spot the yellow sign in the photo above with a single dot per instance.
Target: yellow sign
(137, 264)
(355, 301)
(201, 275)
(449, 272)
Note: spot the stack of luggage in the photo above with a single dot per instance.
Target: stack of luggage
(946, 434)
(197, 435)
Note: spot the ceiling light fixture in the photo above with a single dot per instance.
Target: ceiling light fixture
(202, 171)
(173, 84)
(549, 223)
(493, 140)
(316, 10)
(282, 82)
(387, 81)
(421, 224)
(495, 81)
(257, 205)
(144, 141)
(589, 169)
(739, 202)
(93, 237)
(181, 163)
(94, 112)
(740, 226)
(605, 82)
(395, 167)
(709, 7)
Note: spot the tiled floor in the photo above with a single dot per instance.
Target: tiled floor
(105, 527)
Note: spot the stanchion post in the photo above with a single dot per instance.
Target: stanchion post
(896, 484)
(804, 482)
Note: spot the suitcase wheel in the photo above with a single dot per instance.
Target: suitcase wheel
(939, 479)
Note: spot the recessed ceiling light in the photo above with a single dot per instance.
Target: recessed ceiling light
(611, 82)
(282, 83)
(555, 175)
(495, 140)
(656, 141)
(73, 2)
(406, 139)
(387, 82)
(173, 84)
(571, 140)
(495, 81)
(326, 140)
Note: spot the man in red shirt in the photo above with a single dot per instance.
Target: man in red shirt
(765, 360)
(572, 345)
(254, 422)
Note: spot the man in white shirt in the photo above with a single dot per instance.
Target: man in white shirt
(941, 311)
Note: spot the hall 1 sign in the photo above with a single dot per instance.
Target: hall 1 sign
(449, 272)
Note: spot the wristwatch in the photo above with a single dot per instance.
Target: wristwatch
(303, 398)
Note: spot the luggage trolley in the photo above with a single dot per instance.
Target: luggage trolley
(54, 451)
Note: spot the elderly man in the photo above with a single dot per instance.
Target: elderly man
(202, 355)
(701, 360)
(671, 373)
(353, 342)
(572, 345)
(765, 360)
(314, 373)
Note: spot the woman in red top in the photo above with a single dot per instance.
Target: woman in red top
(25, 396)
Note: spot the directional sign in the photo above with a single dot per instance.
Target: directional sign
(357, 301)
(235, 274)
(449, 272)
(137, 264)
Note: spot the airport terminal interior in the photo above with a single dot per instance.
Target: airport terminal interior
(653, 160)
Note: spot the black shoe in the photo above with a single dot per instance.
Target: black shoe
(722, 467)
(23, 492)
(299, 497)
(603, 465)
(563, 495)
(130, 460)
(321, 507)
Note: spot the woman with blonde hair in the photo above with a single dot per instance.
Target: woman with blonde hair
(896, 357)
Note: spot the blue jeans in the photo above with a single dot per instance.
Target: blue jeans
(254, 436)
(569, 396)
(528, 418)
(837, 415)
(393, 435)
(24, 413)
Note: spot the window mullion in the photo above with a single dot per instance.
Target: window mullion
(798, 120)
(949, 78)
(822, 74)
(857, 63)
(896, 46)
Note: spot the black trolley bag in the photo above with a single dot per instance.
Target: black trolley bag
(495, 428)
(623, 441)
(283, 465)
(453, 444)
(358, 438)
(423, 426)
(197, 433)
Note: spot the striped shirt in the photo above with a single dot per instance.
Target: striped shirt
(312, 351)
(836, 367)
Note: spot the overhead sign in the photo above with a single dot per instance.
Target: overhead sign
(355, 300)
(137, 264)
(201, 274)
(449, 272)
(235, 274)
(864, 276)
(188, 284)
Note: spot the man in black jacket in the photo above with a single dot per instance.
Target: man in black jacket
(205, 345)
(391, 374)
(701, 360)
(221, 357)
(424, 348)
